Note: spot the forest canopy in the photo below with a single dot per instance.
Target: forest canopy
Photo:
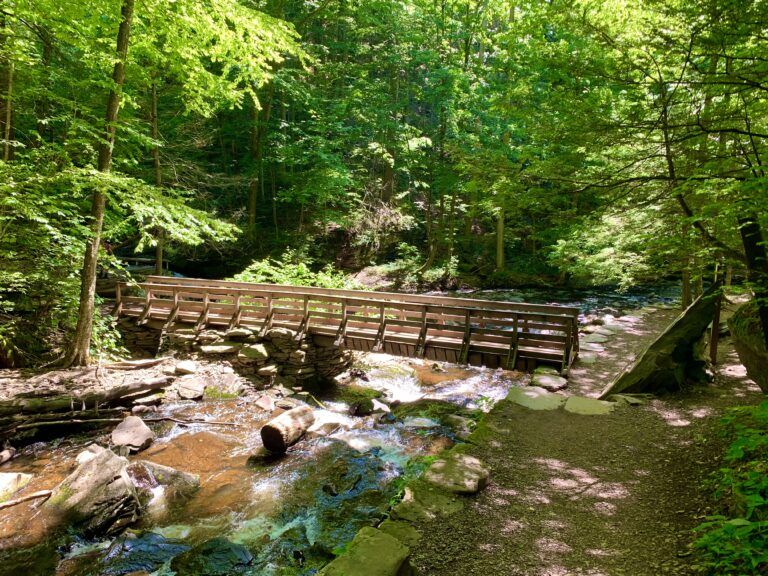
(445, 142)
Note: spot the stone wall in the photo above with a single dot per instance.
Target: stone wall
(277, 356)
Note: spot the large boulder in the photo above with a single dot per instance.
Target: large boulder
(160, 487)
(133, 434)
(99, 496)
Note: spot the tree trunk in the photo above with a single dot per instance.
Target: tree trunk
(160, 234)
(757, 265)
(6, 101)
(500, 262)
(79, 349)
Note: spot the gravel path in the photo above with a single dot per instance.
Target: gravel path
(591, 495)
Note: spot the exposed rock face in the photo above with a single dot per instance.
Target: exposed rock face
(98, 496)
(371, 553)
(458, 473)
(185, 367)
(133, 434)
(106, 492)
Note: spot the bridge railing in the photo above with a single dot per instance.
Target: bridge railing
(462, 330)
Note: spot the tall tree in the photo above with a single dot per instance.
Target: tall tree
(79, 348)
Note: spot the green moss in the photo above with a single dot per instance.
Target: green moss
(745, 326)
(213, 393)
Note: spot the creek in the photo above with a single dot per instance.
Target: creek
(295, 512)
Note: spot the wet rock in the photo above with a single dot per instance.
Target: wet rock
(419, 422)
(142, 409)
(253, 354)
(322, 430)
(99, 496)
(227, 383)
(221, 348)
(132, 554)
(588, 406)
(362, 407)
(191, 387)
(371, 553)
(460, 425)
(458, 473)
(159, 487)
(549, 382)
(185, 367)
(380, 407)
(535, 398)
(133, 434)
(12, 482)
(217, 557)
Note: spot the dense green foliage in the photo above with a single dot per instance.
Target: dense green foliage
(444, 141)
(735, 541)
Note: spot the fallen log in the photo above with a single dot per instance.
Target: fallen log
(285, 430)
(63, 403)
(669, 361)
(83, 421)
(33, 496)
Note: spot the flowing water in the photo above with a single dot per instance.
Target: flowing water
(292, 513)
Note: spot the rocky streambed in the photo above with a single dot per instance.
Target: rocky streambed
(211, 500)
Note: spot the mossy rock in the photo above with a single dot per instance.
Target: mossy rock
(354, 393)
(433, 409)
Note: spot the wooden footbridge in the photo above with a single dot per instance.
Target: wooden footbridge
(460, 330)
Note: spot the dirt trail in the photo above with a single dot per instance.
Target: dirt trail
(591, 495)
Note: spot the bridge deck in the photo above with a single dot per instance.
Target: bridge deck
(460, 330)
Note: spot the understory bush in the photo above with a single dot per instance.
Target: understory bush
(735, 541)
(294, 269)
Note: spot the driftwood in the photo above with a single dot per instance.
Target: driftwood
(669, 361)
(64, 403)
(281, 432)
(82, 421)
(136, 364)
(33, 496)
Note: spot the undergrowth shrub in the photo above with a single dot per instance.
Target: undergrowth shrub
(293, 268)
(735, 541)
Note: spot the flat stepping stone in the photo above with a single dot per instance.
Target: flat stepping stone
(604, 331)
(587, 358)
(458, 473)
(588, 406)
(371, 553)
(535, 398)
(550, 382)
(592, 347)
(420, 422)
(595, 339)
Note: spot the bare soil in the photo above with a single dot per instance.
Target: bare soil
(592, 495)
